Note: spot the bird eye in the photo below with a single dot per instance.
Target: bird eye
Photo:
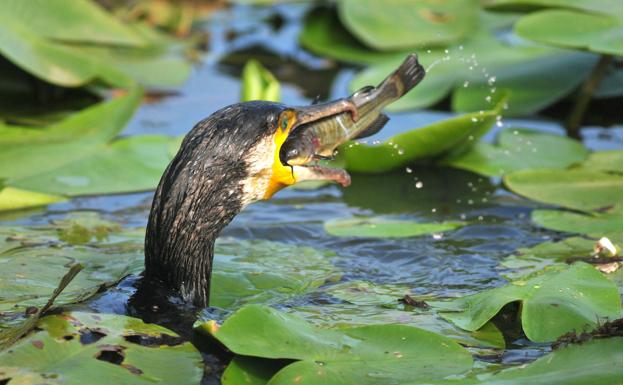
(284, 123)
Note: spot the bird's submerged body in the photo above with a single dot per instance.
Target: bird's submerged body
(227, 161)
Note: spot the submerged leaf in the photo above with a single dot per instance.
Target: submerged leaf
(519, 149)
(390, 353)
(577, 298)
(97, 349)
(385, 228)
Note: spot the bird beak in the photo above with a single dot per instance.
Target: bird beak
(283, 176)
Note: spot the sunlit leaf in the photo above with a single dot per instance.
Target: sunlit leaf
(376, 227)
(577, 298)
(258, 83)
(426, 142)
(385, 354)
(16, 199)
(605, 161)
(408, 23)
(97, 349)
(519, 149)
(593, 224)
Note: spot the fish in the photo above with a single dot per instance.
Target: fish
(318, 140)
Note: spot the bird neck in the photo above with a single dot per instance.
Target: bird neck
(191, 206)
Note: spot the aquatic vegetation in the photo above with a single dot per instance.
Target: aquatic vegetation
(259, 84)
(552, 303)
(384, 228)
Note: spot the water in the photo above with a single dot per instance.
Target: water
(438, 265)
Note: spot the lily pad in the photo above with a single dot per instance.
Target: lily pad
(519, 149)
(130, 164)
(577, 189)
(596, 225)
(100, 348)
(600, 33)
(474, 71)
(16, 199)
(258, 83)
(375, 354)
(400, 24)
(375, 227)
(577, 298)
(250, 371)
(109, 51)
(427, 142)
(594, 362)
(265, 272)
(605, 161)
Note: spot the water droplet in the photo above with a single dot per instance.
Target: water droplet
(461, 47)
(480, 218)
(466, 83)
(488, 99)
(419, 185)
(434, 210)
(463, 217)
(437, 236)
(446, 51)
(428, 51)
(401, 151)
(471, 68)
(491, 80)
(471, 137)
(408, 170)
(470, 202)
(474, 119)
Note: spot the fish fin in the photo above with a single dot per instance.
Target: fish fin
(410, 73)
(374, 127)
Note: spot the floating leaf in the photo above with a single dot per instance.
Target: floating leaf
(423, 143)
(403, 24)
(109, 51)
(76, 21)
(375, 227)
(605, 161)
(130, 164)
(600, 33)
(523, 71)
(553, 303)
(519, 149)
(100, 348)
(249, 371)
(384, 354)
(16, 199)
(577, 189)
(592, 224)
(258, 83)
(594, 362)
(264, 272)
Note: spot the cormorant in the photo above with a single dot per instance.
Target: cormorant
(225, 162)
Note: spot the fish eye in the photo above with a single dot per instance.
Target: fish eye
(292, 153)
(284, 123)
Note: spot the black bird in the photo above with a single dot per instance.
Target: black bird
(225, 162)
(233, 158)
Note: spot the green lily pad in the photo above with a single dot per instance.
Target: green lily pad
(258, 83)
(130, 164)
(265, 272)
(522, 5)
(16, 199)
(605, 161)
(379, 354)
(528, 260)
(366, 303)
(375, 227)
(427, 142)
(76, 21)
(600, 33)
(599, 361)
(109, 51)
(519, 149)
(553, 303)
(576, 189)
(97, 349)
(596, 225)
(250, 371)
(408, 23)
(474, 71)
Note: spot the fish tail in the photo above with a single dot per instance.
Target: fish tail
(402, 80)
